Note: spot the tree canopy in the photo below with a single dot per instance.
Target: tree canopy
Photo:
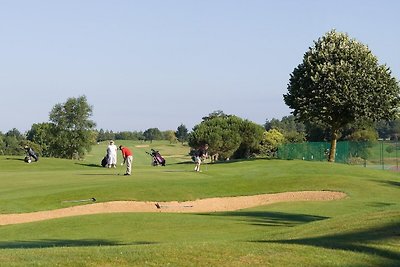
(182, 133)
(72, 132)
(152, 134)
(227, 135)
(339, 82)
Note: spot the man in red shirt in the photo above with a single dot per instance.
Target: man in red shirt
(127, 155)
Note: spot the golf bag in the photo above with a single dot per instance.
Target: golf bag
(30, 154)
(157, 158)
(104, 161)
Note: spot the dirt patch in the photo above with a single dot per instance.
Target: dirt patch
(201, 205)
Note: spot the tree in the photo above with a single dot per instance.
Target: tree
(152, 134)
(220, 133)
(226, 135)
(73, 132)
(170, 136)
(1, 143)
(340, 82)
(293, 130)
(12, 142)
(101, 136)
(182, 133)
(364, 135)
(271, 140)
(42, 135)
(251, 135)
(215, 114)
(394, 129)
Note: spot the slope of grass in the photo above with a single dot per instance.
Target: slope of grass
(361, 230)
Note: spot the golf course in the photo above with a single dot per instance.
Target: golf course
(311, 213)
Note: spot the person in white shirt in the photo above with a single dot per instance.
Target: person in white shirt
(112, 155)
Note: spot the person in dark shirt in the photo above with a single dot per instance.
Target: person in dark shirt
(200, 155)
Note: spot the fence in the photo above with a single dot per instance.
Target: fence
(380, 154)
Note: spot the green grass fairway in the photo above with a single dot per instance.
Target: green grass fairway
(361, 230)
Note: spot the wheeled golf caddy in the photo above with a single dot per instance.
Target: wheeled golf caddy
(157, 158)
(30, 154)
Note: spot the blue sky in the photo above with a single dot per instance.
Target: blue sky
(160, 63)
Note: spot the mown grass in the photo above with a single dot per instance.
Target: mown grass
(361, 230)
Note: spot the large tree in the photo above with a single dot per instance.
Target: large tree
(226, 135)
(339, 82)
(74, 131)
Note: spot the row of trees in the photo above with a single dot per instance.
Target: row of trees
(339, 90)
(295, 131)
(181, 135)
(228, 136)
(71, 133)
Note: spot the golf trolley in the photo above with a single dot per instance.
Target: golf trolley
(157, 159)
(30, 154)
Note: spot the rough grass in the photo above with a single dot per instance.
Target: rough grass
(362, 230)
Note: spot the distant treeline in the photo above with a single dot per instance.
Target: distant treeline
(148, 135)
(292, 131)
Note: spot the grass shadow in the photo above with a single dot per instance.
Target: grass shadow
(18, 159)
(177, 171)
(100, 174)
(185, 163)
(379, 204)
(356, 241)
(388, 182)
(90, 165)
(262, 218)
(50, 243)
(235, 160)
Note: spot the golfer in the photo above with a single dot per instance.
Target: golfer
(200, 155)
(127, 155)
(112, 155)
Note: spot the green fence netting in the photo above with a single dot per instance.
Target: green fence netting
(379, 154)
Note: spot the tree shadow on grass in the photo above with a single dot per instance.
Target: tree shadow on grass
(90, 165)
(99, 174)
(388, 182)
(178, 171)
(261, 218)
(50, 243)
(185, 163)
(379, 204)
(356, 241)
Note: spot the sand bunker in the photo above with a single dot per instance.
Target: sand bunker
(202, 205)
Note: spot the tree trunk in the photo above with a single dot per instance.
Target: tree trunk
(332, 151)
